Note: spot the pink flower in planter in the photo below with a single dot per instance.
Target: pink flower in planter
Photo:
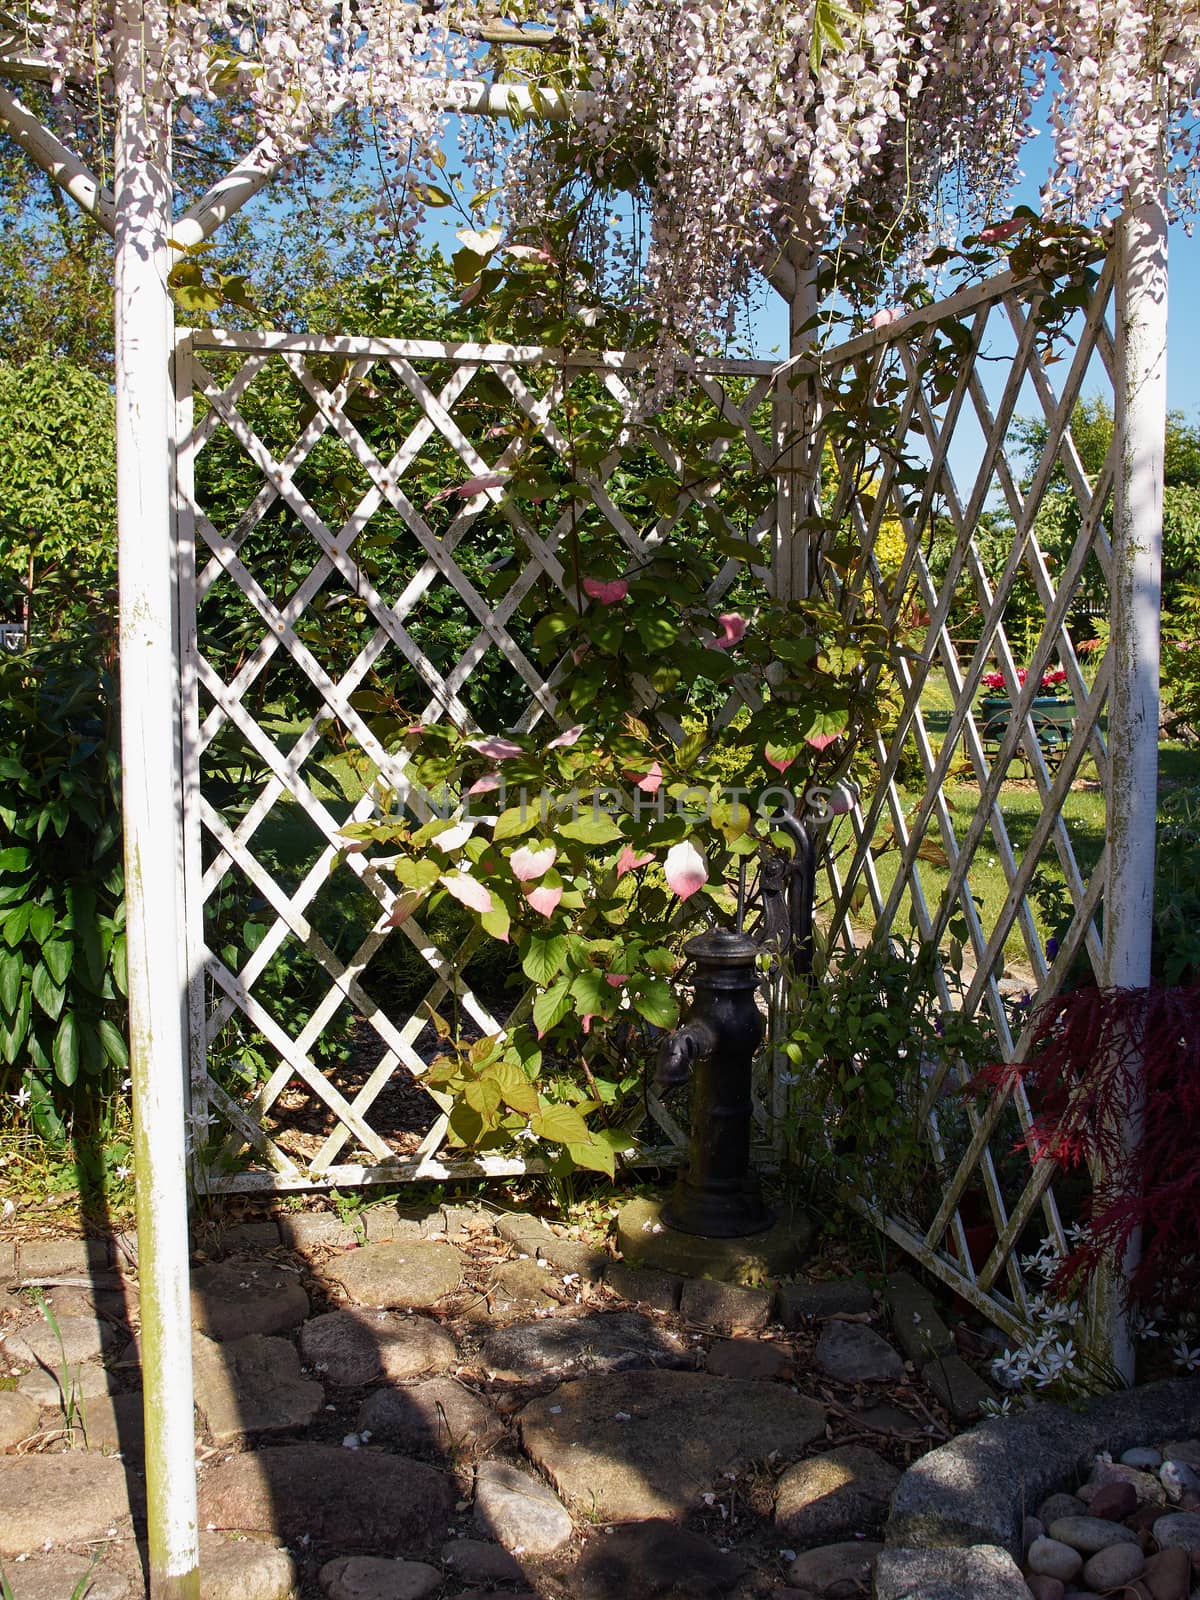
(686, 869)
(607, 591)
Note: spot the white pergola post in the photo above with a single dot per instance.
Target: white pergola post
(1136, 594)
(149, 750)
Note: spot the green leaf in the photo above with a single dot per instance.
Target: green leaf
(657, 1003)
(429, 194)
(12, 970)
(113, 1043)
(551, 1007)
(66, 1051)
(48, 994)
(16, 925)
(543, 956)
(515, 821)
(41, 923)
(12, 1037)
(14, 860)
(466, 1125)
(497, 921)
(58, 955)
(592, 996)
(483, 1096)
(514, 1086)
(595, 1157)
(561, 1125)
(593, 827)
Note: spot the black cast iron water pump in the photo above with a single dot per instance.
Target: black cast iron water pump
(717, 1195)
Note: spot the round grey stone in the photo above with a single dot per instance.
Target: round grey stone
(64, 1498)
(354, 1346)
(477, 1561)
(1143, 1456)
(412, 1273)
(1111, 1568)
(850, 1353)
(1060, 1505)
(836, 1569)
(1090, 1534)
(243, 1569)
(654, 1561)
(437, 1417)
(518, 1285)
(1179, 1529)
(1053, 1559)
(523, 1514)
(370, 1578)
(833, 1495)
(234, 1298)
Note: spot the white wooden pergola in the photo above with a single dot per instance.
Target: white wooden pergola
(158, 370)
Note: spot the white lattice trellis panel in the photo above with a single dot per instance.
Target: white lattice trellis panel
(329, 564)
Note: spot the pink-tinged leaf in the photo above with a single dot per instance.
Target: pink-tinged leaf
(496, 748)
(606, 591)
(471, 292)
(780, 756)
(477, 485)
(404, 906)
(999, 231)
(885, 318)
(650, 782)
(822, 741)
(733, 627)
(528, 252)
(500, 431)
(686, 869)
(579, 652)
(485, 785)
(565, 740)
(544, 899)
(616, 979)
(841, 799)
(587, 1020)
(467, 890)
(528, 864)
(629, 859)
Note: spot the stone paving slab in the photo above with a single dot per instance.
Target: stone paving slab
(614, 1342)
(355, 1346)
(436, 1417)
(63, 1498)
(233, 1298)
(252, 1385)
(409, 1273)
(360, 1500)
(625, 1446)
(834, 1495)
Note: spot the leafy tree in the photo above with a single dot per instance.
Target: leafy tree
(57, 490)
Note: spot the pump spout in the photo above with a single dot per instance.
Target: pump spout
(681, 1051)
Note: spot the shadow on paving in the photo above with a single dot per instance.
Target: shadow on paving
(401, 1416)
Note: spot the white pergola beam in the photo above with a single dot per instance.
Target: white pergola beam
(61, 165)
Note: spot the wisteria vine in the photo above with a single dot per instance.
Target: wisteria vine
(754, 131)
